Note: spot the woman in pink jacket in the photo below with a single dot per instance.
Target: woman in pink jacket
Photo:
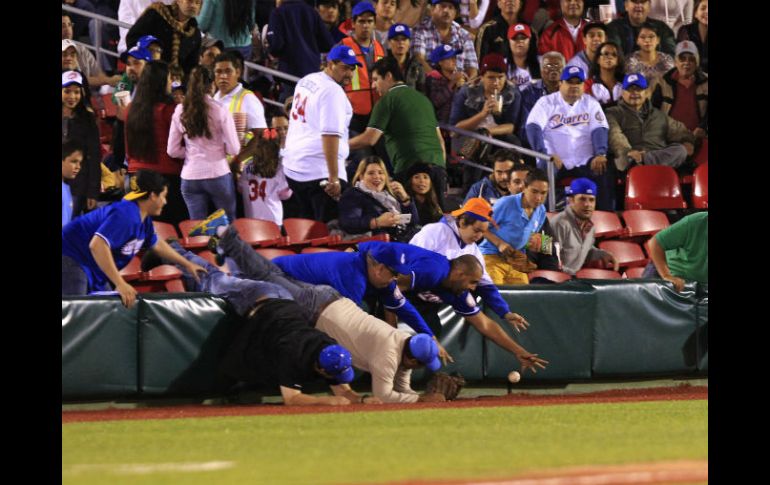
(203, 133)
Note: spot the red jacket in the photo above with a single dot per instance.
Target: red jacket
(557, 38)
(161, 162)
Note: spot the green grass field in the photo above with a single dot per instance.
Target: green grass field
(383, 446)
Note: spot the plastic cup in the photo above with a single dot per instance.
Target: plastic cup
(123, 97)
(606, 12)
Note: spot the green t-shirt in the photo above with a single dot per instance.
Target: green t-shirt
(408, 121)
(687, 247)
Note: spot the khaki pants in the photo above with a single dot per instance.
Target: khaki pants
(502, 273)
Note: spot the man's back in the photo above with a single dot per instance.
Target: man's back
(408, 121)
(297, 36)
(687, 248)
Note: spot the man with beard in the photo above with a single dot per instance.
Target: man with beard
(496, 185)
(574, 231)
(316, 144)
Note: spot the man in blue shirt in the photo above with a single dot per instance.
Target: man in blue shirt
(518, 217)
(71, 158)
(96, 246)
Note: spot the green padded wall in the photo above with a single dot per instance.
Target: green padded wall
(181, 341)
(702, 321)
(643, 328)
(560, 331)
(99, 345)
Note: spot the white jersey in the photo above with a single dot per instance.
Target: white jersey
(520, 77)
(567, 129)
(241, 100)
(320, 107)
(262, 196)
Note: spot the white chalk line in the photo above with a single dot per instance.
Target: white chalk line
(614, 478)
(148, 468)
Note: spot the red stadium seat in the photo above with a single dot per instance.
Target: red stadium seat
(700, 187)
(191, 242)
(384, 237)
(308, 232)
(133, 270)
(174, 286)
(641, 222)
(653, 187)
(606, 224)
(635, 272)
(555, 276)
(272, 253)
(597, 274)
(259, 233)
(627, 253)
(164, 272)
(164, 230)
(312, 250)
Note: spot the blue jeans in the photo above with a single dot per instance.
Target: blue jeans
(239, 292)
(73, 279)
(219, 191)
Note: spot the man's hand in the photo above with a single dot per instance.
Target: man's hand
(677, 281)
(556, 159)
(372, 400)
(490, 105)
(599, 164)
(127, 294)
(458, 78)
(636, 155)
(609, 259)
(442, 353)
(333, 189)
(699, 132)
(194, 268)
(519, 323)
(506, 249)
(530, 361)
(689, 147)
(335, 400)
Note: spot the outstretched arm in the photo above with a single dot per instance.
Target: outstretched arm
(293, 397)
(494, 332)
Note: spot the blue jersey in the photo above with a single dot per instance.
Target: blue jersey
(120, 226)
(515, 226)
(429, 269)
(66, 204)
(346, 273)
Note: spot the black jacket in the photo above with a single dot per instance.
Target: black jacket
(357, 208)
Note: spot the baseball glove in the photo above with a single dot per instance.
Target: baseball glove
(443, 383)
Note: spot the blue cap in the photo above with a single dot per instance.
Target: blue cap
(444, 51)
(362, 7)
(343, 54)
(146, 40)
(573, 71)
(634, 79)
(335, 360)
(424, 349)
(581, 186)
(436, 2)
(137, 52)
(390, 255)
(399, 29)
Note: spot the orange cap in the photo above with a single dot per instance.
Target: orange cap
(478, 207)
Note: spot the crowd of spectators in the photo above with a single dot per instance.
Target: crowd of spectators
(357, 143)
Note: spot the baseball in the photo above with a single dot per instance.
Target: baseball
(514, 377)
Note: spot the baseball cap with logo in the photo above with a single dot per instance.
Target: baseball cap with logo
(573, 71)
(683, 47)
(137, 52)
(399, 29)
(388, 254)
(478, 208)
(66, 44)
(146, 40)
(493, 62)
(519, 29)
(444, 51)
(71, 77)
(581, 186)
(424, 349)
(362, 7)
(335, 360)
(343, 54)
(634, 79)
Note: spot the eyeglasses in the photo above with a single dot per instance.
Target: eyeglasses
(552, 66)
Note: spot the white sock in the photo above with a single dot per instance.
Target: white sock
(221, 231)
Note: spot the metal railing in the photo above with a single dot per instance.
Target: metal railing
(250, 65)
(510, 146)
